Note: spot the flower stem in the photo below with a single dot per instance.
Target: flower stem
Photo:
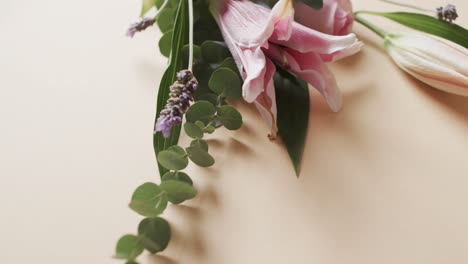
(190, 60)
(408, 5)
(161, 9)
(382, 33)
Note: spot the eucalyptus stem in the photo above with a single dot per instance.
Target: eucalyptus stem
(408, 5)
(161, 9)
(190, 60)
(382, 33)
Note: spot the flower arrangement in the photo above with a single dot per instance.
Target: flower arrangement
(266, 52)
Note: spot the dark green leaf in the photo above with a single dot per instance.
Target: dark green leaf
(231, 64)
(230, 117)
(165, 20)
(429, 25)
(178, 191)
(177, 176)
(226, 83)
(209, 129)
(148, 200)
(214, 51)
(292, 100)
(155, 234)
(200, 124)
(128, 247)
(165, 43)
(196, 54)
(200, 157)
(201, 111)
(193, 130)
(179, 39)
(315, 4)
(199, 143)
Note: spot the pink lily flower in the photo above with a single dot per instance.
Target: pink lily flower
(334, 18)
(256, 36)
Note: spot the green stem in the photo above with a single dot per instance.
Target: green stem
(382, 33)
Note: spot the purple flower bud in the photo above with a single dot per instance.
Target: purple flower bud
(180, 96)
(139, 26)
(447, 13)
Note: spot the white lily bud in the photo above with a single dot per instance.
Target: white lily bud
(439, 64)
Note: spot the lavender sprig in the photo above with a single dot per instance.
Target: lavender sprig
(180, 96)
(140, 26)
(447, 13)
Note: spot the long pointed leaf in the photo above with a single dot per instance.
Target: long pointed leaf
(292, 99)
(428, 24)
(179, 39)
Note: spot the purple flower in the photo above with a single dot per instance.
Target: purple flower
(180, 96)
(447, 13)
(139, 26)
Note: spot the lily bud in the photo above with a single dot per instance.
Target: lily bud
(439, 64)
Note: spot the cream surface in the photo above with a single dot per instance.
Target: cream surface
(383, 181)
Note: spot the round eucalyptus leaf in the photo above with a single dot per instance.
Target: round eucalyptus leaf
(230, 63)
(199, 143)
(200, 157)
(214, 51)
(165, 43)
(173, 158)
(155, 234)
(200, 124)
(209, 129)
(201, 111)
(178, 191)
(209, 97)
(148, 200)
(226, 83)
(128, 247)
(229, 117)
(166, 19)
(193, 130)
(177, 176)
(196, 54)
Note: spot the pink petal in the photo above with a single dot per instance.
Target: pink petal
(266, 101)
(334, 18)
(304, 39)
(309, 67)
(338, 55)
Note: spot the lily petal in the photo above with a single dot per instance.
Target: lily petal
(309, 67)
(304, 39)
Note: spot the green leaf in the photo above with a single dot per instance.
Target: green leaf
(148, 200)
(177, 176)
(315, 4)
(179, 39)
(155, 234)
(174, 158)
(429, 25)
(292, 100)
(165, 19)
(128, 247)
(201, 111)
(230, 117)
(178, 191)
(226, 83)
(214, 51)
(146, 6)
(200, 157)
(196, 54)
(200, 124)
(231, 64)
(165, 43)
(193, 130)
(199, 143)
(209, 129)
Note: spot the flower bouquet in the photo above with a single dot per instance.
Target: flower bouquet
(268, 53)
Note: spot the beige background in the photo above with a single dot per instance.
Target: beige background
(384, 181)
